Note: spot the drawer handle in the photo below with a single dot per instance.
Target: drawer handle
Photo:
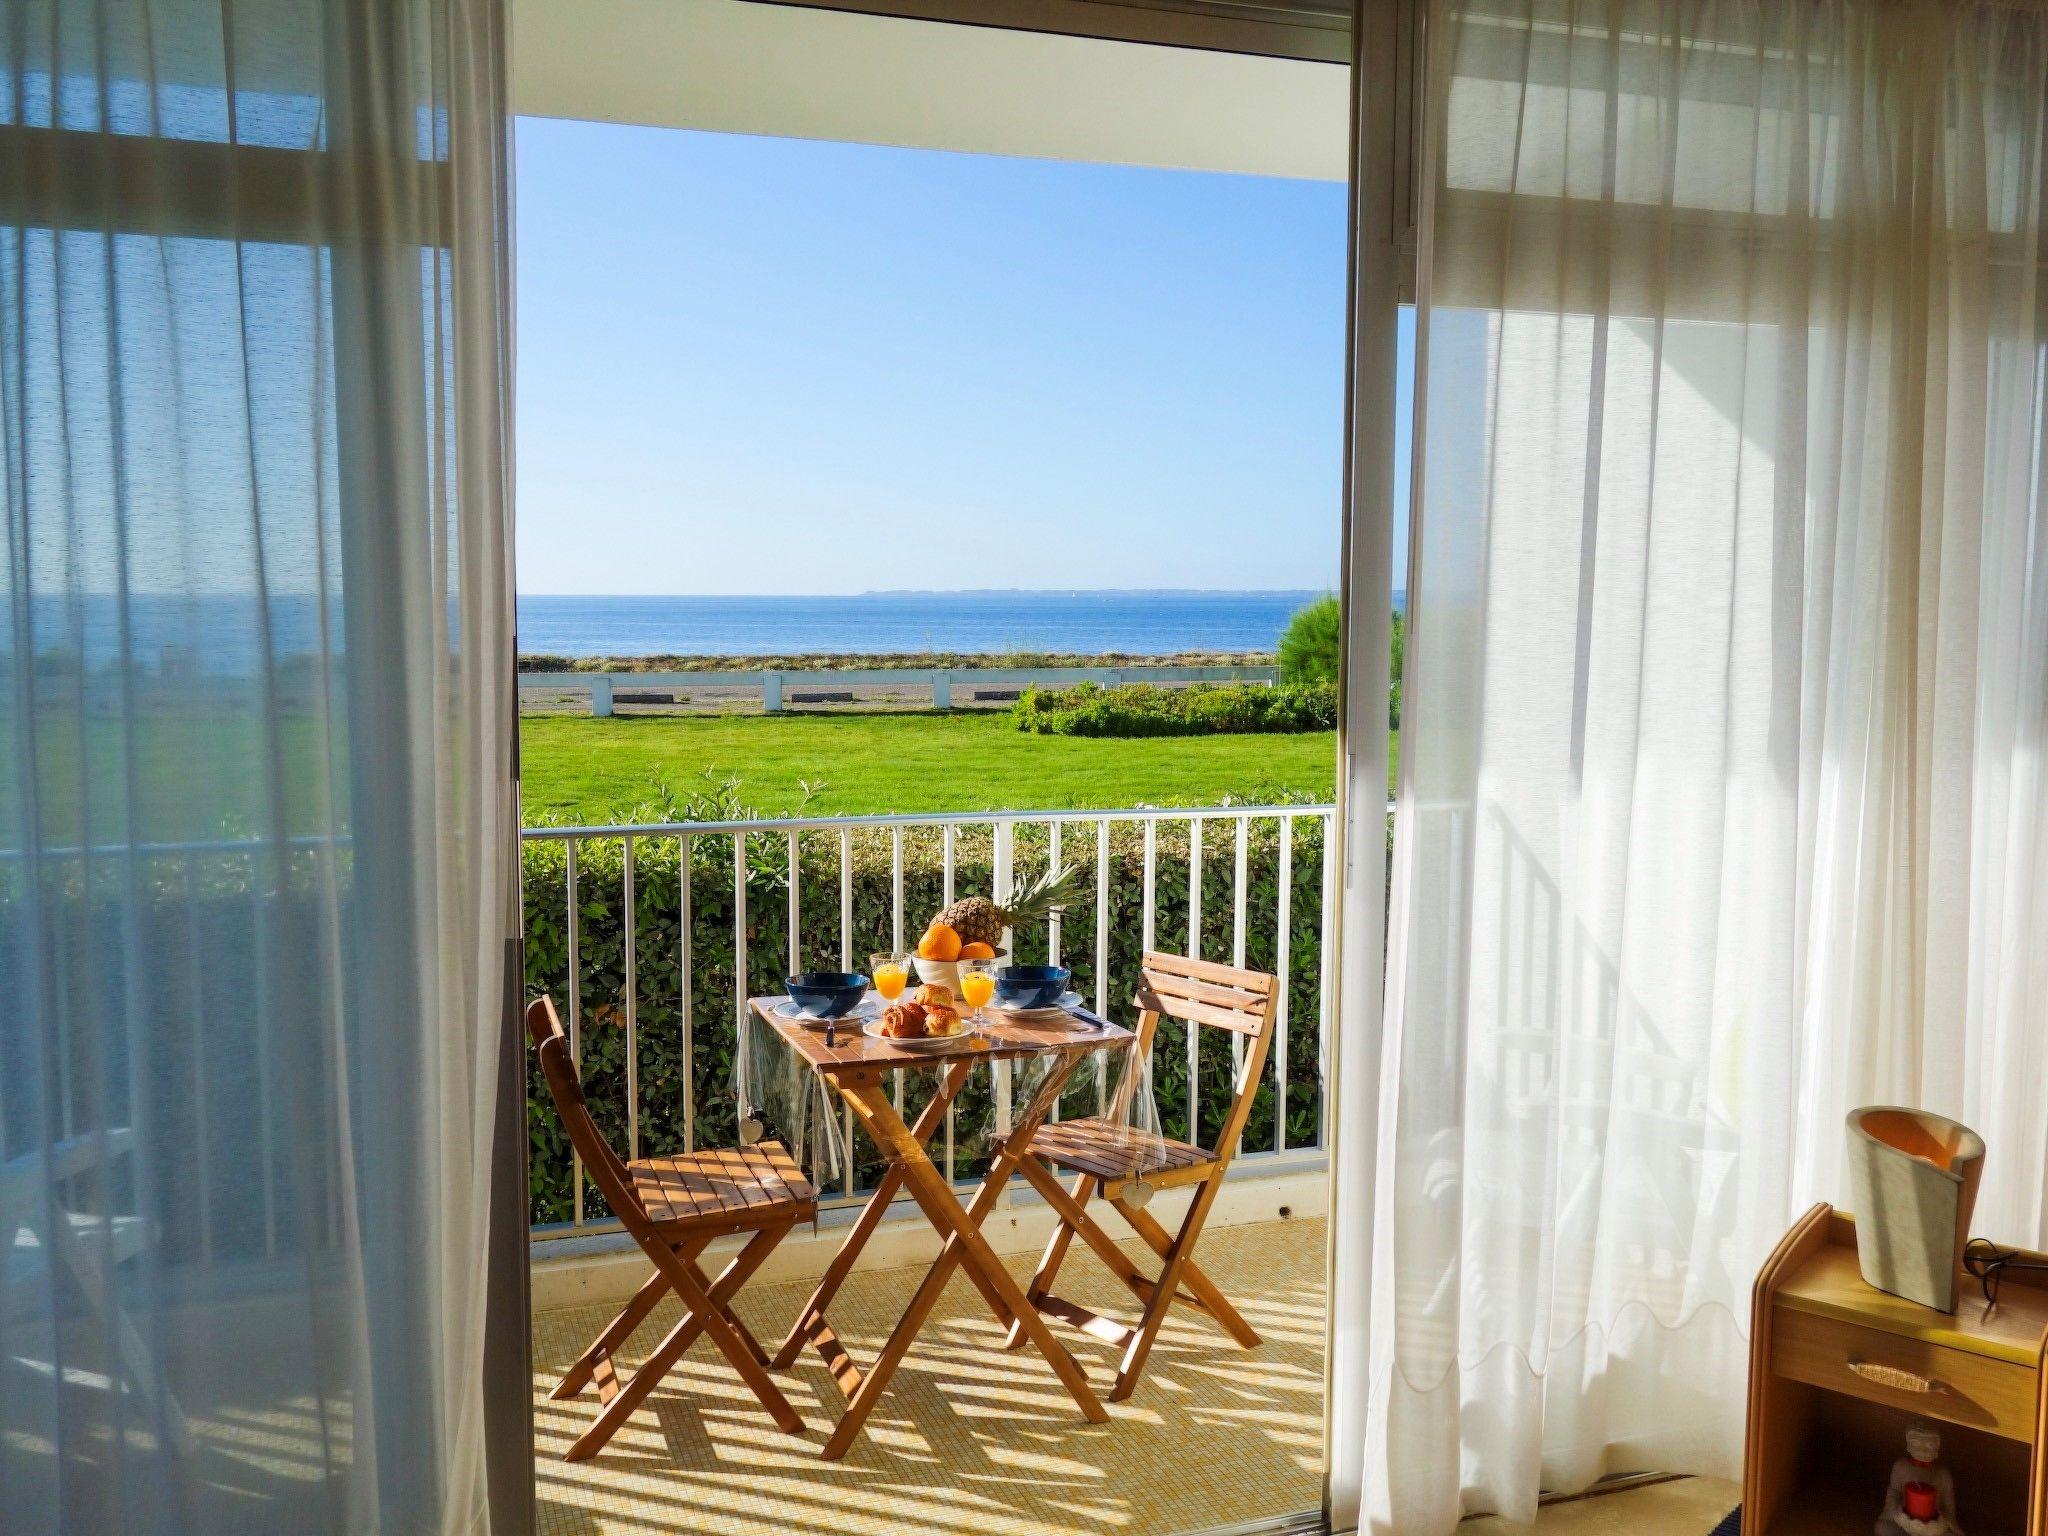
(1896, 1377)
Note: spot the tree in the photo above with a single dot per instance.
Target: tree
(1310, 647)
(1314, 639)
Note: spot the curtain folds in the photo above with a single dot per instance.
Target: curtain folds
(1722, 805)
(258, 815)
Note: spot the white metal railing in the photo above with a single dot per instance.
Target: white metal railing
(1070, 936)
(1242, 823)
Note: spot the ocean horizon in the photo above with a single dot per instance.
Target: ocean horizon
(1070, 621)
(227, 635)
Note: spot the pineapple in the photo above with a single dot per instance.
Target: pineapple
(978, 920)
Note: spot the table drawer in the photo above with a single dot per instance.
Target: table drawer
(1910, 1374)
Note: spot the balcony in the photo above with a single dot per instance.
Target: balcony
(651, 937)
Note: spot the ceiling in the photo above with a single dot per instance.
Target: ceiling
(739, 66)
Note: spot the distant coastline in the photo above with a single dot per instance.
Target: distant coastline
(230, 635)
(917, 661)
(908, 628)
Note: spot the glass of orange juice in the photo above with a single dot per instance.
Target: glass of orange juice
(977, 984)
(891, 972)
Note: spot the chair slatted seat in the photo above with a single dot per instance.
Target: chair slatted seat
(749, 1186)
(674, 1207)
(1115, 1153)
(1125, 1164)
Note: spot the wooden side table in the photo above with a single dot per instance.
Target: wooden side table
(1838, 1369)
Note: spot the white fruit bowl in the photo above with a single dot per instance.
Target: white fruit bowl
(946, 973)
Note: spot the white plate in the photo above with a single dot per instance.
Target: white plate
(1064, 1008)
(933, 1043)
(869, 1007)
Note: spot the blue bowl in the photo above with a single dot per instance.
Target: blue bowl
(827, 994)
(1031, 986)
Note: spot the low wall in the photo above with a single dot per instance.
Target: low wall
(940, 680)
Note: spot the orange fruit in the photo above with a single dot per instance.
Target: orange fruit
(940, 942)
(977, 951)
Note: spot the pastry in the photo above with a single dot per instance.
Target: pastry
(904, 1021)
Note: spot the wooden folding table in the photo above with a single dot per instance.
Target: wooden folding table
(857, 1066)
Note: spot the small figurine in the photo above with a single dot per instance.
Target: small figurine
(1921, 1500)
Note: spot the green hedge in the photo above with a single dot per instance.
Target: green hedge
(1146, 709)
(657, 879)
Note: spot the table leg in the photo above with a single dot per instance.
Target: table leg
(965, 1247)
(929, 1119)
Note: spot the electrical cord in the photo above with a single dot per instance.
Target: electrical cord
(1987, 1262)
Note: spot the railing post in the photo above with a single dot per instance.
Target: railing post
(1239, 888)
(771, 693)
(632, 1007)
(1101, 943)
(1282, 957)
(1194, 953)
(846, 899)
(601, 696)
(796, 956)
(1003, 836)
(1055, 923)
(739, 973)
(1147, 923)
(573, 922)
(896, 888)
(1326, 980)
(685, 961)
(942, 690)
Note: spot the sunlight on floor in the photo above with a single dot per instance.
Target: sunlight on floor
(971, 1441)
(1690, 1506)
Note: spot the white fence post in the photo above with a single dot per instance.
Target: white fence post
(771, 692)
(942, 690)
(601, 696)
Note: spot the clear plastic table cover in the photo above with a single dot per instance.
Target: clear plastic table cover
(784, 1098)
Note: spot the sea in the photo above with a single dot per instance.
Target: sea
(1147, 623)
(228, 635)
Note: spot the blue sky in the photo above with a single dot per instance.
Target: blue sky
(759, 365)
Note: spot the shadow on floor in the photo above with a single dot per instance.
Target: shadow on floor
(970, 1441)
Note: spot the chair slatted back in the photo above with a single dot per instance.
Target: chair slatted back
(1202, 992)
(565, 1087)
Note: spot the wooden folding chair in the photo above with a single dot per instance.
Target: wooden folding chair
(1115, 1159)
(674, 1207)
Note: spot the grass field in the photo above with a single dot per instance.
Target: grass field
(580, 769)
(202, 776)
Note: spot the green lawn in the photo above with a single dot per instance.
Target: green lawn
(579, 769)
(592, 771)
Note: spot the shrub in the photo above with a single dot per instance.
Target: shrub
(1146, 709)
(1314, 640)
(1400, 646)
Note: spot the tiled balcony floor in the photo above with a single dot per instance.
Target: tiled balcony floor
(971, 1441)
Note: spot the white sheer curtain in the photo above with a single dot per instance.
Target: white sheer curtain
(257, 798)
(1722, 804)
